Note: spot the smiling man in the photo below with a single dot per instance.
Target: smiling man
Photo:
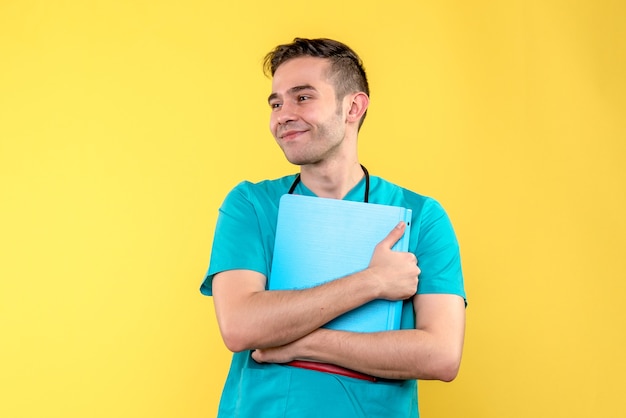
(318, 102)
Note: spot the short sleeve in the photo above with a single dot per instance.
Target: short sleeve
(438, 253)
(237, 242)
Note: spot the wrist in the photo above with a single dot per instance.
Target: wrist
(311, 346)
(372, 282)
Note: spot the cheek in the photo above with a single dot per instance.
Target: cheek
(273, 124)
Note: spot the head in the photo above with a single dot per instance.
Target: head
(345, 72)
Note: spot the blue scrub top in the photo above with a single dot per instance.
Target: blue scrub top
(244, 239)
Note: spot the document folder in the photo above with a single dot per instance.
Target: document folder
(319, 239)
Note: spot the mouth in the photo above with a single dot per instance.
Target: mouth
(290, 135)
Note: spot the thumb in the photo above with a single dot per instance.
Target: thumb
(395, 234)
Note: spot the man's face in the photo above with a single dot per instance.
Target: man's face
(306, 121)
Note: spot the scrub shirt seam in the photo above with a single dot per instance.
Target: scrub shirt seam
(288, 395)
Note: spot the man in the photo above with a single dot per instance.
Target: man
(318, 102)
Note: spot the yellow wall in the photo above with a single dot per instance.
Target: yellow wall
(124, 123)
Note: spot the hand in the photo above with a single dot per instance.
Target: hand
(396, 272)
(271, 355)
(283, 354)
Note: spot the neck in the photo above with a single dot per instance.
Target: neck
(332, 181)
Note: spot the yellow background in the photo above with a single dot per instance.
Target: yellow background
(124, 123)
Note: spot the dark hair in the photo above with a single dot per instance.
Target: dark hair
(346, 68)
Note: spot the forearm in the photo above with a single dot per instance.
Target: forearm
(431, 351)
(403, 354)
(256, 318)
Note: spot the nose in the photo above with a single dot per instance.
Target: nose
(285, 114)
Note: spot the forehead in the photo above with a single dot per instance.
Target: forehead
(301, 71)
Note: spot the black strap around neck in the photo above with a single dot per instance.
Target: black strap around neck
(366, 196)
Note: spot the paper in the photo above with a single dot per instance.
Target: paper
(319, 239)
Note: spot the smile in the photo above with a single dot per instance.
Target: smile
(290, 135)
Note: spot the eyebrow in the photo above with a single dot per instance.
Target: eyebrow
(292, 90)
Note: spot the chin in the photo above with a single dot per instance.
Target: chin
(295, 159)
(299, 158)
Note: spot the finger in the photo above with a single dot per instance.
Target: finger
(393, 236)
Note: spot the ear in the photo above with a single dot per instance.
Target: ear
(358, 105)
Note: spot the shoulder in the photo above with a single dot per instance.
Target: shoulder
(385, 192)
(260, 192)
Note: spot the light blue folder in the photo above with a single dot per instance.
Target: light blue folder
(318, 240)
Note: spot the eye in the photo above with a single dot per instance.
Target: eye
(303, 98)
(275, 105)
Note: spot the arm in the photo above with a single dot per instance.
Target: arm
(431, 351)
(251, 317)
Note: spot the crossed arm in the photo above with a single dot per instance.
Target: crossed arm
(285, 325)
